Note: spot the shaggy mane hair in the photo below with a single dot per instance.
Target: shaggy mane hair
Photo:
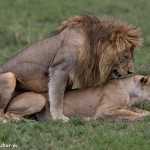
(106, 40)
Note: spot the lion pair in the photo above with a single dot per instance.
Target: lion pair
(84, 51)
(114, 99)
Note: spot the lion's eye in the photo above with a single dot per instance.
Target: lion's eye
(126, 57)
(122, 60)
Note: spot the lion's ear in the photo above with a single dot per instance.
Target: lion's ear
(144, 80)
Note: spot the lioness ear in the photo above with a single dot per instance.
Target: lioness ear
(144, 80)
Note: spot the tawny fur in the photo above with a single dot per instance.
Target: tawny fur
(83, 52)
(115, 99)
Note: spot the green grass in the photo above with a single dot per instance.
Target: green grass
(23, 22)
(99, 134)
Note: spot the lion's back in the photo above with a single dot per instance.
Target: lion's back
(34, 59)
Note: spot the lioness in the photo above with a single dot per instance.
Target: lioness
(114, 99)
(85, 50)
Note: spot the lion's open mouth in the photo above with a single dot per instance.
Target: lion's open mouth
(118, 75)
(115, 74)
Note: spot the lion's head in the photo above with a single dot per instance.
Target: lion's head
(109, 47)
(114, 42)
(124, 65)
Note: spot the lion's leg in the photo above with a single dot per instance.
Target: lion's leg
(102, 110)
(59, 73)
(124, 114)
(57, 86)
(24, 105)
(140, 111)
(7, 86)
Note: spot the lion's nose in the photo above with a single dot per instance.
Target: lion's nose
(115, 71)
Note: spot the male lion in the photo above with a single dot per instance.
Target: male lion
(85, 50)
(114, 99)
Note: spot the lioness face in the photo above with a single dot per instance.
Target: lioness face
(124, 65)
(145, 88)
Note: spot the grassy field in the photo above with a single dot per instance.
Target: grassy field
(25, 21)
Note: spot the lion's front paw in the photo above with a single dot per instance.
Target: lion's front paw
(62, 117)
(11, 116)
(3, 118)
